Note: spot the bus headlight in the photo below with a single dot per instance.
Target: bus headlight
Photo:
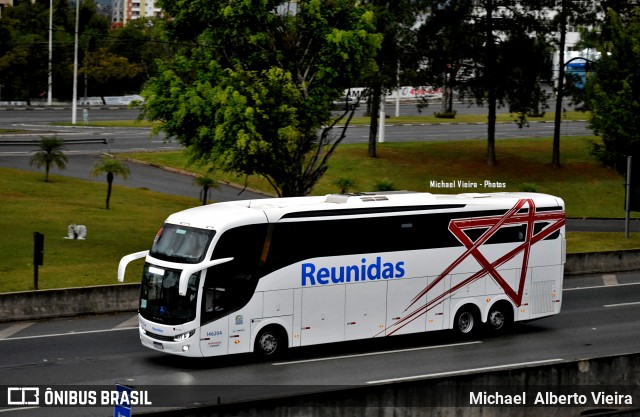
(184, 336)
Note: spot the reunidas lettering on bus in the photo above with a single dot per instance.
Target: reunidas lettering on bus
(311, 275)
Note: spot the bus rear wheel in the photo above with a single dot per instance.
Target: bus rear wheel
(499, 318)
(465, 321)
(271, 342)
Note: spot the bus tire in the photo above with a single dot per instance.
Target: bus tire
(271, 342)
(466, 321)
(500, 317)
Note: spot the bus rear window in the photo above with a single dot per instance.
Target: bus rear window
(181, 244)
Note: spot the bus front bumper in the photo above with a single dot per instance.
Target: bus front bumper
(188, 347)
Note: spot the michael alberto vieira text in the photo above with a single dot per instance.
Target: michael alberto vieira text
(550, 398)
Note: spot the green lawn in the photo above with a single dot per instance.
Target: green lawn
(589, 190)
(29, 204)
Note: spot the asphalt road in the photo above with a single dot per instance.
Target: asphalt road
(142, 176)
(598, 318)
(38, 121)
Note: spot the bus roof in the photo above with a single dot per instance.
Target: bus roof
(230, 214)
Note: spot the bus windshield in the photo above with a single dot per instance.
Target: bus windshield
(159, 299)
(181, 244)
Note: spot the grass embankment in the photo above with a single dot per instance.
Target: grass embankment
(589, 190)
(29, 204)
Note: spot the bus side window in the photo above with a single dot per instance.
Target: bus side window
(229, 286)
(214, 299)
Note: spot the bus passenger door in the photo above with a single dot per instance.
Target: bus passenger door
(240, 324)
(322, 314)
(365, 310)
(214, 335)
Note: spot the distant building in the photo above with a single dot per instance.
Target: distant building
(5, 3)
(126, 10)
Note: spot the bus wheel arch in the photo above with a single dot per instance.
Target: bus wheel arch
(271, 341)
(467, 319)
(500, 316)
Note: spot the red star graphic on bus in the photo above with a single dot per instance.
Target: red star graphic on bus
(523, 213)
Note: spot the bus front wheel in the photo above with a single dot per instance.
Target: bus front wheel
(270, 342)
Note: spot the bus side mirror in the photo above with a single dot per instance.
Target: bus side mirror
(122, 266)
(186, 273)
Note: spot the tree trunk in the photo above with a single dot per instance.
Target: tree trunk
(205, 194)
(555, 157)
(492, 100)
(109, 184)
(376, 93)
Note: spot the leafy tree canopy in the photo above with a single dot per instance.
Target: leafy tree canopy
(252, 90)
(614, 91)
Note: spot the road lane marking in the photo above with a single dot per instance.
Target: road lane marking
(129, 323)
(68, 334)
(464, 371)
(9, 410)
(622, 304)
(10, 331)
(610, 279)
(374, 353)
(599, 286)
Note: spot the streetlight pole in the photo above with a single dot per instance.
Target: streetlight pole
(50, 83)
(74, 105)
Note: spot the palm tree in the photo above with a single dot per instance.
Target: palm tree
(112, 167)
(206, 183)
(50, 153)
(344, 184)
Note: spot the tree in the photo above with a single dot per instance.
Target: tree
(613, 90)
(104, 68)
(142, 42)
(509, 70)
(22, 55)
(395, 21)
(503, 56)
(24, 32)
(344, 184)
(50, 153)
(111, 167)
(445, 41)
(252, 92)
(206, 183)
(575, 13)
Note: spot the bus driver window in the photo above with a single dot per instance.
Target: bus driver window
(214, 299)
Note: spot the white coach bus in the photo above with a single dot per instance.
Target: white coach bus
(269, 274)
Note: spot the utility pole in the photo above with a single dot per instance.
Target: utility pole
(74, 105)
(50, 83)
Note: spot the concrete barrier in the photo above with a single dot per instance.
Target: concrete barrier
(599, 262)
(32, 305)
(42, 304)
